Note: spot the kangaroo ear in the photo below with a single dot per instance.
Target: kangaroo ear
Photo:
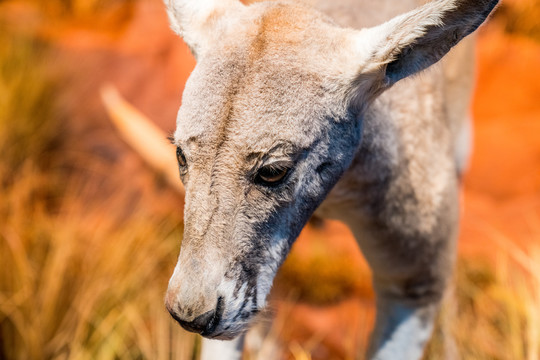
(413, 41)
(197, 20)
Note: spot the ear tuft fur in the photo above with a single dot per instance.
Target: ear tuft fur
(195, 20)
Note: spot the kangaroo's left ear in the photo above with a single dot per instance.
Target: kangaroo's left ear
(200, 22)
(413, 41)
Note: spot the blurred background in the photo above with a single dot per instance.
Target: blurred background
(89, 233)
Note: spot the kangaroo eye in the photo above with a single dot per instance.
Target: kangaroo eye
(182, 164)
(272, 174)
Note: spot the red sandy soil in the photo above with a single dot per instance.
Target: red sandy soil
(501, 195)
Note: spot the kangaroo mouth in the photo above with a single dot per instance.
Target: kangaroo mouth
(225, 329)
(215, 320)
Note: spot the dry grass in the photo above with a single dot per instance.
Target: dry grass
(494, 313)
(80, 280)
(82, 287)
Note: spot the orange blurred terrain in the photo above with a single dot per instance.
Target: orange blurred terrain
(326, 306)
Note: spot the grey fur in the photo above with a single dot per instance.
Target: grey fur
(280, 81)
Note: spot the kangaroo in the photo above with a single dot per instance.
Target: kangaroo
(295, 109)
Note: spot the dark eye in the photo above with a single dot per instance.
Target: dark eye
(182, 164)
(272, 174)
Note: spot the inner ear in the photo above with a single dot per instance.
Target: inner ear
(411, 42)
(418, 56)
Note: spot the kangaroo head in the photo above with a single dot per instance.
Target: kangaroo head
(271, 117)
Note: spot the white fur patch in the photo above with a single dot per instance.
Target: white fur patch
(222, 350)
(410, 332)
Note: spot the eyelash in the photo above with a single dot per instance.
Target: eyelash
(272, 174)
(182, 163)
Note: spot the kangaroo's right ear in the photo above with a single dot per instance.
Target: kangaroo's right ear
(197, 21)
(411, 42)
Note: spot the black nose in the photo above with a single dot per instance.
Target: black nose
(199, 324)
(202, 324)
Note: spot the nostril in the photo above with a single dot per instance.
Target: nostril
(199, 324)
(204, 324)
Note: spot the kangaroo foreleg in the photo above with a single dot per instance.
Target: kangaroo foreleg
(223, 350)
(411, 272)
(402, 327)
